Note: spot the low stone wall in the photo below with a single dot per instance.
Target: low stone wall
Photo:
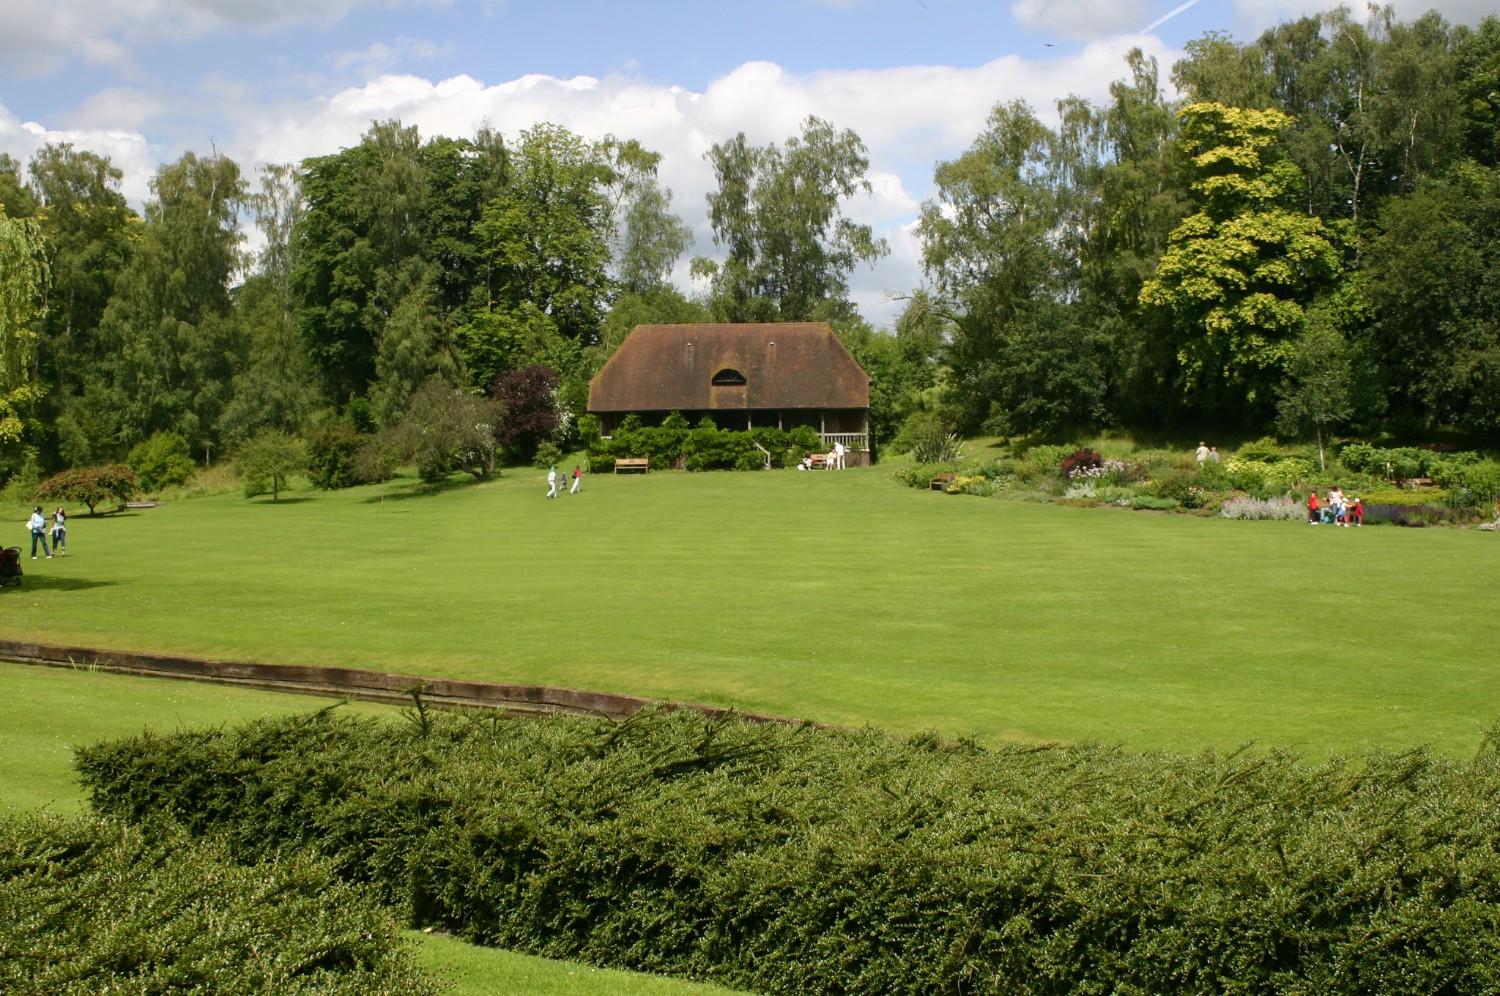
(354, 683)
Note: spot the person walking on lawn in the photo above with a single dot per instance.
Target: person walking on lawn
(38, 526)
(577, 480)
(60, 532)
(552, 481)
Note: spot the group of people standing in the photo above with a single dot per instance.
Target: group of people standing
(1336, 511)
(552, 481)
(38, 526)
(832, 460)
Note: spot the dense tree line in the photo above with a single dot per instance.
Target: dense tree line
(1303, 240)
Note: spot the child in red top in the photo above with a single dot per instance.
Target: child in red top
(1312, 509)
(1357, 512)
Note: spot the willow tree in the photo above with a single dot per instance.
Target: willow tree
(1238, 274)
(23, 277)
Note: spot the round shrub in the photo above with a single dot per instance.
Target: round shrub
(161, 461)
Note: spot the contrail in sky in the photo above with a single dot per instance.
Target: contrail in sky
(1169, 15)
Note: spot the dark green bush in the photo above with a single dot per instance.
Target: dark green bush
(332, 457)
(1401, 463)
(921, 475)
(789, 859)
(1186, 487)
(704, 447)
(96, 906)
(161, 461)
(341, 457)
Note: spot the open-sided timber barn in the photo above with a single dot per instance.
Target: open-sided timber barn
(742, 375)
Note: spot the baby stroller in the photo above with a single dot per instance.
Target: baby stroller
(10, 565)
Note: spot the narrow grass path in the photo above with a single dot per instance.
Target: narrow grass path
(837, 597)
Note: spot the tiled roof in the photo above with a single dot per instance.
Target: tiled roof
(785, 365)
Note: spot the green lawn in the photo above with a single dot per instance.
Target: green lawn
(838, 597)
(45, 712)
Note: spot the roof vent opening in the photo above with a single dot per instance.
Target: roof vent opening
(728, 378)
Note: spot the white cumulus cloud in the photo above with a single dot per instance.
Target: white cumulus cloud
(126, 148)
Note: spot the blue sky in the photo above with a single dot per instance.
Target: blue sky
(277, 80)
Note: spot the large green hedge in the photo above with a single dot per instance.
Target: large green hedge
(701, 447)
(792, 859)
(96, 906)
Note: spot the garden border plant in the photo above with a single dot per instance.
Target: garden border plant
(1256, 482)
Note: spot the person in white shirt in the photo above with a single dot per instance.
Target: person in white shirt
(38, 526)
(838, 455)
(552, 482)
(60, 532)
(1201, 453)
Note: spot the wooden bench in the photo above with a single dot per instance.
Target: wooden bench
(642, 464)
(941, 481)
(820, 461)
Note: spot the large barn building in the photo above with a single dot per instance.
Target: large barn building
(742, 375)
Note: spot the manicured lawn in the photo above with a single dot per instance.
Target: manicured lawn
(837, 597)
(476, 971)
(44, 712)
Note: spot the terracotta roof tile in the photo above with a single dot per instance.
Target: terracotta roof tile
(785, 365)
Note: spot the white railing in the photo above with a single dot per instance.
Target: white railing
(856, 441)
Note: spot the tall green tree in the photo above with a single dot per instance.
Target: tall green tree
(361, 232)
(413, 350)
(1317, 394)
(88, 228)
(15, 200)
(651, 240)
(1477, 53)
(23, 278)
(545, 240)
(1237, 275)
(547, 234)
(1436, 301)
(1141, 199)
(174, 350)
(778, 215)
(990, 242)
(276, 389)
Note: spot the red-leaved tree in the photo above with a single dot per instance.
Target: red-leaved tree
(530, 399)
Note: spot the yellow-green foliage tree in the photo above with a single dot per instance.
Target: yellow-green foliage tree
(23, 275)
(1238, 274)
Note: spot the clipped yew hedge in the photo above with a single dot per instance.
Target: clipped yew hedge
(96, 906)
(793, 859)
